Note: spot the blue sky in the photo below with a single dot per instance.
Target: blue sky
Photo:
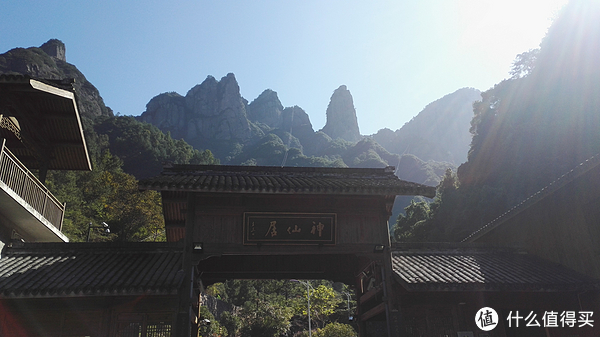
(395, 57)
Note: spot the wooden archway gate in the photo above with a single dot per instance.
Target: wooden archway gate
(281, 223)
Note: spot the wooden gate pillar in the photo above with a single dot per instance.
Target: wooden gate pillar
(186, 291)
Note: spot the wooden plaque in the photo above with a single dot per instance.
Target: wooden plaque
(289, 228)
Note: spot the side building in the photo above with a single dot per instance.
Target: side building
(40, 129)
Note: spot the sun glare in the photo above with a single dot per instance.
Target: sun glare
(513, 24)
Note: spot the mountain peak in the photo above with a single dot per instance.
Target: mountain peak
(341, 116)
(56, 49)
(267, 109)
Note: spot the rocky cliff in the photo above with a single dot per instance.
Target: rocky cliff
(214, 116)
(49, 62)
(440, 132)
(217, 110)
(341, 116)
(55, 49)
(211, 112)
(266, 109)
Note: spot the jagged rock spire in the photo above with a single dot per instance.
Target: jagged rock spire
(55, 48)
(341, 116)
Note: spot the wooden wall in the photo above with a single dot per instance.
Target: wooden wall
(439, 313)
(564, 227)
(219, 219)
(95, 316)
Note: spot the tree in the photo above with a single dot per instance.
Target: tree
(265, 305)
(143, 147)
(231, 322)
(265, 318)
(271, 307)
(107, 194)
(524, 63)
(211, 327)
(323, 302)
(410, 226)
(335, 330)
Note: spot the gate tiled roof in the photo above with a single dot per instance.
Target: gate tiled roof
(90, 269)
(483, 270)
(284, 180)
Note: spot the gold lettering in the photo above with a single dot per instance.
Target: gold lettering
(320, 227)
(272, 229)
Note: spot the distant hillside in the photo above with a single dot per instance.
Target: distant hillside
(529, 131)
(440, 132)
(49, 62)
(140, 146)
(214, 116)
(119, 147)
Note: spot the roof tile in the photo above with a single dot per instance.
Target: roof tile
(470, 270)
(85, 269)
(288, 180)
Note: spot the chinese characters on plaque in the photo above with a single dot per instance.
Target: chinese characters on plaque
(293, 228)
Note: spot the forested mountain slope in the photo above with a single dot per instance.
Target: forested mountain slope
(439, 132)
(527, 131)
(214, 116)
(118, 147)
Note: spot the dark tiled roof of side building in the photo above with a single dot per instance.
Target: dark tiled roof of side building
(482, 269)
(90, 269)
(284, 180)
(47, 109)
(575, 173)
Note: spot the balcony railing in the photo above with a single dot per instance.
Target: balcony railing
(24, 184)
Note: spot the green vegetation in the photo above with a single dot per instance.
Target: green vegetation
(271, 151)
(107, 194)
(323, 303)
(334, 330)
(411, 225)
(276, 307)
(119, 147)
(231, 322)
(214, 328)
(143, 147)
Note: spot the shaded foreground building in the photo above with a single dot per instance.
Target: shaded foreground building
(553, 270)
(258, 222)
(90, 289)
(284, 223)
(40, 129)
(441, 287)
(229, 222)
(560, 223)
